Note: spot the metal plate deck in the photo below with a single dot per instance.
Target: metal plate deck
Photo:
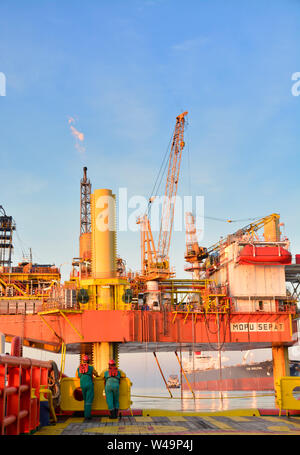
(175, 425)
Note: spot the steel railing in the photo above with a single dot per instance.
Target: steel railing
(21, 380)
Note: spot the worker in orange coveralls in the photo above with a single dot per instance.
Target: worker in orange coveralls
(112, 377)
(86, 374)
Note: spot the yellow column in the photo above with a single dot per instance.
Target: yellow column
(271, 230)
(102, 353)
(280, 362)
(103, 215)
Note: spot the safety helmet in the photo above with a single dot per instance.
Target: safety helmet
(111, 362)
(85, 358)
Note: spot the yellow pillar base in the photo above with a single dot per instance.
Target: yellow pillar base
(281, 366)
(69, 402)
(102, 353)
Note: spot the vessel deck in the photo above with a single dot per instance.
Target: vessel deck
(155, 422)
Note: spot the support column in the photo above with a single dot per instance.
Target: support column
(103, 236)
(102, 353)
(280, 362)
(103, 214)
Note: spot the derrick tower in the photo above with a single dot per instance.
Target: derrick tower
(7, 226)
(85, 203)
(85, 239)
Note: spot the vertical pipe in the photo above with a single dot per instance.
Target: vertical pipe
(63, 359)
(219, 350)
(180, 363)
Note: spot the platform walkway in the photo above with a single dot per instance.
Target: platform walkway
(154, 422)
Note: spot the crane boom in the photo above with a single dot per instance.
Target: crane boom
(155, 261)
(250, 229)
(167, 218)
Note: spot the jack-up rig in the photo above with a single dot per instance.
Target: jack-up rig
(236, 297)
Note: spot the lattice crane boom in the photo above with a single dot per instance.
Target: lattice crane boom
(167, 218)
(249, 229)
(154, 261)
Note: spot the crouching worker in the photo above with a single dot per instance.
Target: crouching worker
(86, 374)
(112, 378)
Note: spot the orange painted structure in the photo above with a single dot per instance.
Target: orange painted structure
(85, 247)
(21, 381)
(167, 330)
(29, 281)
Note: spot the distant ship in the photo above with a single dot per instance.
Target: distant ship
(204, 373)
(173, 382)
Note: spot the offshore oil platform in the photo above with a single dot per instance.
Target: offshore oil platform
(236, 297)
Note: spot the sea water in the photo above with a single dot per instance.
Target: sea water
(202, 401)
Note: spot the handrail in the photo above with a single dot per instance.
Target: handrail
(24, 361)
(21, 379)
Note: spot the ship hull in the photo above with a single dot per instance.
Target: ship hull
(233, 384)
(257, 376)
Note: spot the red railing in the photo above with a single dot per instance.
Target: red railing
(20, 383)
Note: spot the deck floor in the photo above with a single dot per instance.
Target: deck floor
(179, 424)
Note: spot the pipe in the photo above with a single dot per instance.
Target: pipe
(185, 375)
(24, 362)
(162, 375)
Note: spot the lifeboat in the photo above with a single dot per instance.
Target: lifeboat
(252, 254)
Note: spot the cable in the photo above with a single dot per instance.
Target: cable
(228, 220)
(159, 172)
(225, 329)
(188, 157)
(21, 242)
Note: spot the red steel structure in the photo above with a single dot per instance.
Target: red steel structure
(21, 380)
(133, 328)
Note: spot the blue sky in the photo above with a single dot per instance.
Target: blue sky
(124, 70)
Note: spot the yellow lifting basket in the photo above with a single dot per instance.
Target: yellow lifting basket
(287, 388)
(69, 395)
